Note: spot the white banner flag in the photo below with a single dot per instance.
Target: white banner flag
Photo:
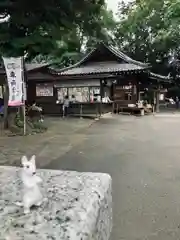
(14, 72)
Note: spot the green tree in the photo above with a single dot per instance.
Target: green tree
(106, 24)
(45, 27)
(34, 25)
(148, 30)
(80, 39)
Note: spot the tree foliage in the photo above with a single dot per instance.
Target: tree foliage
(148, 30)
(105, 31)
(51, 30)
(34, 26)
(75, 42)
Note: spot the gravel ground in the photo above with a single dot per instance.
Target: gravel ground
(61, 136)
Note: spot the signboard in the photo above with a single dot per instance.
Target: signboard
(14, 72)
(44, 90)
(81, 94)
(1, 92)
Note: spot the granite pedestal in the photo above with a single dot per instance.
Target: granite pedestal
(78, 207)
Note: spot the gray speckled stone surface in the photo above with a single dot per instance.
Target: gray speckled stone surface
(79, 207)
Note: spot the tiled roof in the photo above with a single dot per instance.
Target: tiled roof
(33, 66)
(128, 64)
(102, 67)
(29, 66)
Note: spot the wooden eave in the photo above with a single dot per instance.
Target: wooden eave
(160, 78)
(29, 67)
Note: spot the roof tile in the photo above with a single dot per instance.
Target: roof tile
(99, 67)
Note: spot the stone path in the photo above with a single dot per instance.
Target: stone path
(61, 136)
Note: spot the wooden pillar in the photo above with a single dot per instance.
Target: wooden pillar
(138, 91)
(97, 110)
(6, 99)
(113, 91)
(113, 88)
(101, 96)
(154, 101)
(81, 111)
(157, 100)
(134, 93)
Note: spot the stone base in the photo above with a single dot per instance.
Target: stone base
(79, 207)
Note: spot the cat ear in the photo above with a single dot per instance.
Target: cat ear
(33, 160)
(24, 160)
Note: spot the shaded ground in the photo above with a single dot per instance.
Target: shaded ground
(61, 136)
(143, 157)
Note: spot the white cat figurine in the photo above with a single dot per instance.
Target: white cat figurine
(31, 193)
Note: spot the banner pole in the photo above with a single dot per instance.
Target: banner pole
(23, 90)
(24, 113)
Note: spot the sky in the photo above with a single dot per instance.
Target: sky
(113, 5)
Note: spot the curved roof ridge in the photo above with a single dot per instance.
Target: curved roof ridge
(156, 75)
(113, 50)
(125, 57)
(79, 62)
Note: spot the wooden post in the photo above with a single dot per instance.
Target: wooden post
(113, 107)
(134, 93)
(113, 98)
(101, 93)
(117, 108)
(96, 110)
(81, 111)
(24, 116)
(138, 91)
(154, 102)
(24, 78)
(6, 99)
(157, 100)
(63, 110)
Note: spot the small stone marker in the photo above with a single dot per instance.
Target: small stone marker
(79, 207)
